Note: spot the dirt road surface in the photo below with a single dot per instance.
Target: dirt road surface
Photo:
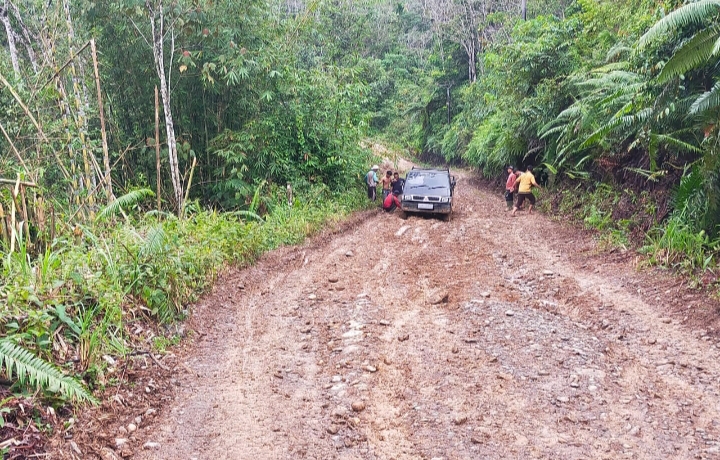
(485, 337)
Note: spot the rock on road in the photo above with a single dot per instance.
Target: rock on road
(483, 337)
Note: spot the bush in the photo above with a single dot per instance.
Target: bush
(678, 245)
(87, 286)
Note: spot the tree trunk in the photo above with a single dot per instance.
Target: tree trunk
(86, 177)
(103, 133)
(523, 8)
(448, 102)
(471, 51)
(472, 57)
(157, 25)
(5, 18)
(157, 145)
(25, 35)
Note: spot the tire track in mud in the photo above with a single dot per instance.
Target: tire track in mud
(483, 337)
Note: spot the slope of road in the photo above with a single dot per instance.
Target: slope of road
(483, 337)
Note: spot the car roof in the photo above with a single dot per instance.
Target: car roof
(435, 171)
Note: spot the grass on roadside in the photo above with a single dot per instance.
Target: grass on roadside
(76, 302)
(623, 218)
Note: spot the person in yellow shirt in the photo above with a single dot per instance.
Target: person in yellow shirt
(527, 182)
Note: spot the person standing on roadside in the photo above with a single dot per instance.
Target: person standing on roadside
(527, 182)
(386, 184)
(371, 180)
(510, 187)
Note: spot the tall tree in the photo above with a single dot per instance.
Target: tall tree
(12, 48)
(159, 31)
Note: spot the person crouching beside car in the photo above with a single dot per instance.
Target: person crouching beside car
(391, 202)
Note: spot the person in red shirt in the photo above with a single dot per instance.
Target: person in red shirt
(510, 188)
(391, 202)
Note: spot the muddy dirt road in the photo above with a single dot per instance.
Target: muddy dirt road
(486, 337)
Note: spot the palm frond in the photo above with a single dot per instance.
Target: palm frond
(707, 101)
(154, 242)
(677, 143)
(249, 214)
(689, 201)
(544, 133)
(566, 152)
(617, 122)
(604, 77)
(618, 50)
(18, 362)
(692, 13)
(129, 199)
(163, 214)
(572, 111)
(652, 176)
(691, 54)
(256, 197)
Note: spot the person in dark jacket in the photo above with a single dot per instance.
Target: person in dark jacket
(398, 183)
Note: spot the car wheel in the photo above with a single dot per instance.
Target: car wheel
(403, 215)
(446, 217)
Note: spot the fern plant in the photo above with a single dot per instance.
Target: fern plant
(699, 194)
(29, 369)
(128, 200)
(617, 111)
(702, 49)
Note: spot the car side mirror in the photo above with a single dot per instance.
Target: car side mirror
(452, 181)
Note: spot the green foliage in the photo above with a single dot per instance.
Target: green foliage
(678, 245)
(268, 93)
(22, 365)
(692, 13)
(142, 267)
(608, 90)
(615, 215)
(126, 201)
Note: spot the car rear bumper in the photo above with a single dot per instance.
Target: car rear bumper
(438, 208)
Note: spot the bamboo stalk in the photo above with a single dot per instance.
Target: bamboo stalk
(52, 223)
(39, 206)
(67, 63)
(103, 133)
(35, 123)
(189, 184)
(82, 204)
(23, 183)
(24, 209)
(86, 178)
(14, 149)
(157, 144)
(13, 208)
(65, 114)
(3, 225)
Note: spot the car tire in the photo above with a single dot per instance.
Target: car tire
(446, 217)
(403, 215)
